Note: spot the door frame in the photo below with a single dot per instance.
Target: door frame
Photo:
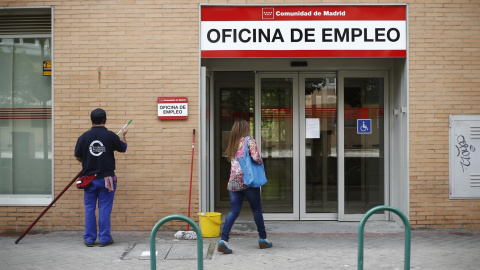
(206, 188)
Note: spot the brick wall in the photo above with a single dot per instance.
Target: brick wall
(444, 80)
(122, 55)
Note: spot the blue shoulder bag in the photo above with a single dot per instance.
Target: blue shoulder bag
(253, 173)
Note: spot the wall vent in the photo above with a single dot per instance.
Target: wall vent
(25, 21)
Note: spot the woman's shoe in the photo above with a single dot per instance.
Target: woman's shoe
(222, 247)
(264, 243)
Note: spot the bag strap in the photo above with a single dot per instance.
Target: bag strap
(245, 147)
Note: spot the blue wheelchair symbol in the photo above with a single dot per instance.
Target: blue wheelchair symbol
(364, 126)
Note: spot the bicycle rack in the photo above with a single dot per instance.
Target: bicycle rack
(153, 255)
(361, 229)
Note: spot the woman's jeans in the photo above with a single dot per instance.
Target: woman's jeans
(96, 191)
(236, 201)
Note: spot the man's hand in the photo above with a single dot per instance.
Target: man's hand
(122, 134)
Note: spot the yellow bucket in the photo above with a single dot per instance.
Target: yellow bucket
(210, 224)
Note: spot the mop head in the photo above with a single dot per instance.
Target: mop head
(185, 235)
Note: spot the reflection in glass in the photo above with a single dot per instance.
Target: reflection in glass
(234, 92)
(364, 153)
(277, 143)
(320, 145)
(25, 117)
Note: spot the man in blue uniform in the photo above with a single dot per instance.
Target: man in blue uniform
(95, 149)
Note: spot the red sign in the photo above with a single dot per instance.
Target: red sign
(303, 31)
(172, 108)
(295, 13)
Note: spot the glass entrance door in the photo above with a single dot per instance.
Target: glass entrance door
(362, 144)
(318, 146)
(323, 144)
(297, 127)
(321, 136)
(278, 101)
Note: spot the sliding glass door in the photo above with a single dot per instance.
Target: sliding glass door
(318, 146)
(278, 133)
(321, 136)
(362, 144)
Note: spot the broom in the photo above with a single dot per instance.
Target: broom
(48, 207)
(188, 235)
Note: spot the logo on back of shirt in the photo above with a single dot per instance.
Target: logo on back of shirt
(96, 148)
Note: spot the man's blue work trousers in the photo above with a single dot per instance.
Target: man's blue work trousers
(97, 191)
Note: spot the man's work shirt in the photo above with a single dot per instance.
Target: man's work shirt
(95, 147)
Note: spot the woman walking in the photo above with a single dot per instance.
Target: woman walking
(238, 190)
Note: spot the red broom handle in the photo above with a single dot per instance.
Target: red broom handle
(48, 207)
(191, 174)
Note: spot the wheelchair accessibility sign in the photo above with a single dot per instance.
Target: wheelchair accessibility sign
(364, 126)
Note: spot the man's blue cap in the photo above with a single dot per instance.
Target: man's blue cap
(98, 113)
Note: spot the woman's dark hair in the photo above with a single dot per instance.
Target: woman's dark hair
(240, 129)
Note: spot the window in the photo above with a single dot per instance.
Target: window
(25, 110)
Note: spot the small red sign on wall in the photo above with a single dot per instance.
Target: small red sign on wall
(170, 108)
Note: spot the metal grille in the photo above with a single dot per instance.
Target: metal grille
(25, 22)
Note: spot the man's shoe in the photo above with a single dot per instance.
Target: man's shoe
(88, 244)
(264, 243)
(222, 247)
(107, 243)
